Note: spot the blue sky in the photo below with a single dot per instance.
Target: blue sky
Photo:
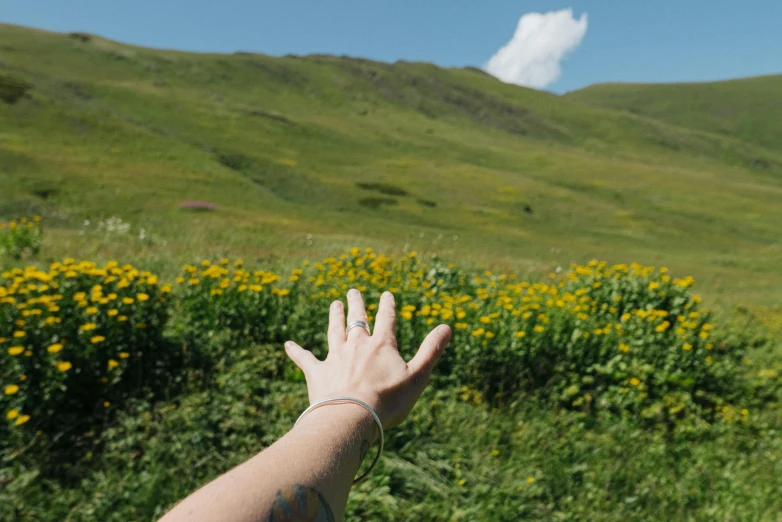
(625, 40)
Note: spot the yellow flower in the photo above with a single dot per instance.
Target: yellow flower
(635, 381)
(539, 329)
(662, 326)
(485, 320)
(54, 348)
(97, 339)
(19, 335)
(127, 300)
(478, 332)
(654, 285)
(113, 364)
(21, 420)
(124, 355)
(495, 452)
(530, 480)
(87, 327)
(122, 318)
(489, 335)
(11, 389)
(142, 297)
(64, 366)
(106, 404)
(12, 414)
(624, 348)
(92, 310)
(112, 312)
(687, 347)
(15, 350)
(521, 334)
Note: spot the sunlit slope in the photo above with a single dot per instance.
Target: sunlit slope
(749, 109)
(349, 151)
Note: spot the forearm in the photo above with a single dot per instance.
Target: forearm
(308, 471)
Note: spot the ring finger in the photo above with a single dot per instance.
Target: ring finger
(356, 312)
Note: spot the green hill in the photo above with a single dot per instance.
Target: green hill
(307, 155)
(750, 108)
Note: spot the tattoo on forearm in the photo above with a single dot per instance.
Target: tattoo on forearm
(364, 450)
(300, 504)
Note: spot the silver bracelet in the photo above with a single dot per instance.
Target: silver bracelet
(366, 407)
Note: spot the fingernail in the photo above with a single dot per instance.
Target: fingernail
(352, 292)
(288, 344)
(336, 304)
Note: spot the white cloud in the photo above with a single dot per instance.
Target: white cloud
(541, 41)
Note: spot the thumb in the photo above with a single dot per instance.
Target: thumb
(430, 351)
(301, 357)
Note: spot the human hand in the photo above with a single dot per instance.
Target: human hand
(369, 368)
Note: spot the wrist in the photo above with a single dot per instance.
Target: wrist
(344, 417)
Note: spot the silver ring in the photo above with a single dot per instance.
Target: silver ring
(356, 324)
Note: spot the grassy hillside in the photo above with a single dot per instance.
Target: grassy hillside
(749, 108)
(306, 155)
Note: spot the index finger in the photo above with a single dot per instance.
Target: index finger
(385, 322)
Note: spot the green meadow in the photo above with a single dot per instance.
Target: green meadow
(161, 158)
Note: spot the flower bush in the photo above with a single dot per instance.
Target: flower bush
(223, 307)
(75, 338)
(20, 238)
(624, 339)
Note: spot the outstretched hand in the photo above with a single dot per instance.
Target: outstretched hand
(369, 367)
